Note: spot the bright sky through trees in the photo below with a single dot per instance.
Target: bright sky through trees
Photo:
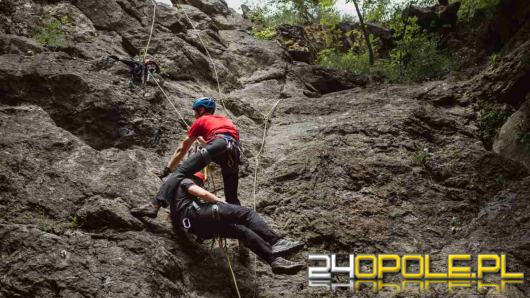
(342, 6)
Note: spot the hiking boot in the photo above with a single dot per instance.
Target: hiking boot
(283, 266)
(284, 247)
(149, 210)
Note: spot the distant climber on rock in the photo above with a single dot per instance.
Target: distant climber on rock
(222, 147)
(140, 71)
(200, 212)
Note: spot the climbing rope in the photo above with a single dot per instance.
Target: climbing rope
(228, 114)
(257, 159)
(211, 61)
(256, 167)
(231, 270)
(184, 120)
(170, 102)
(152, 76)
(151, 32)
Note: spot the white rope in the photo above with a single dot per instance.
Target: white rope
(265, 127)
(170, 102)
(256, 167)
(211, 61)
(257, 159)
(228, 114)
(152, 76)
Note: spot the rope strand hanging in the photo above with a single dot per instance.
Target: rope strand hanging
(256, 168)
(151, 31)
(182, 118)
(170, 102)
(231, 270)
(211, 61)
(258, 156)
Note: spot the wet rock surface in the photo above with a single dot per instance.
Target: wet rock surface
(348, 166)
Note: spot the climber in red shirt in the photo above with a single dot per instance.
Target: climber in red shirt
(222, 146)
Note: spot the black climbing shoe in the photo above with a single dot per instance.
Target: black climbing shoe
(283, 266)
(284, 247)
(149, 210)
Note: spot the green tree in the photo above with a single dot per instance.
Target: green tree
(363, 28)
(372, 11)
(470, 8)
(272, 13)
(310, 11)
(416, 55)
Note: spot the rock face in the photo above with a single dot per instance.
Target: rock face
(434, 18)
(506, 80)
(513, 140)
(481, 39)
(294, 38)
(347, 166)
(103, 213)
(324, 80)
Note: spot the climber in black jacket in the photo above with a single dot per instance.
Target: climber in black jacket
(200, 212)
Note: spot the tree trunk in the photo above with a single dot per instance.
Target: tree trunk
(365, 33)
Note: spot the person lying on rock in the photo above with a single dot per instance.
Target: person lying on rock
(200, 212)
(222, 146)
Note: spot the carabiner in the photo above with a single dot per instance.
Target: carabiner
(186, 223)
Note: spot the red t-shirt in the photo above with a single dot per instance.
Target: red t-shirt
(208, 126)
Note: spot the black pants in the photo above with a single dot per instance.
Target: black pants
(234, 222)
(217, 151)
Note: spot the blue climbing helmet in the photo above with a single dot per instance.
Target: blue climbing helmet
(206, 102)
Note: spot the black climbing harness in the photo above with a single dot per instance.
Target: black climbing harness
(194, 207)
(233, 148)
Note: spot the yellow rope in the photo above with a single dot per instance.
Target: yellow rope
(152, 27)
(231, 270)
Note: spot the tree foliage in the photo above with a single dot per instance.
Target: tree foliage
(366, 35)
(471, 8)
(266, 33)
(416, 55)
(292, 12)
